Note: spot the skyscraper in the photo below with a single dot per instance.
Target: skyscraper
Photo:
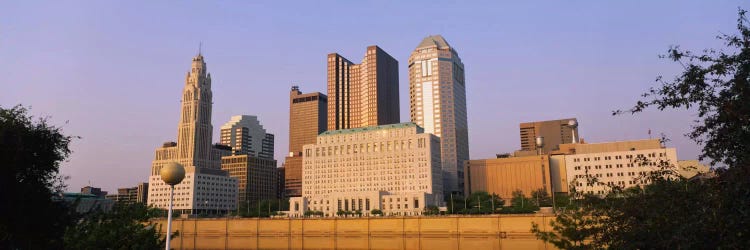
(307, 119)
(362, 95)
(246, 136)
(193, 149)
(437, 95)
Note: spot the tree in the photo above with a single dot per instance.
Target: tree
(520, 204)
(127, 226)
(431, 210)
(31, 151)
(541, 198)
(376, 212)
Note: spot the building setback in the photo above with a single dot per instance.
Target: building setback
(307, 119)
(246, 136)
(437, 102)
(365, 94)
(206, 188)
(394, 168)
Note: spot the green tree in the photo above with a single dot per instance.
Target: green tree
(376, 212)
(520, 204)
(127, 226)
(31, 151)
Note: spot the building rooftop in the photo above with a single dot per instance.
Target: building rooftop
(435, 40)
(372, 128)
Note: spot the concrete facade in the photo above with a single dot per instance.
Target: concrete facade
(437, 102)
(442, 232)
(503, 176)
(614, 163)
(394, 168)
(365, 94)
(206, 187)
(307, 119)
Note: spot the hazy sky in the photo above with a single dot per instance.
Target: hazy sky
(115, 70)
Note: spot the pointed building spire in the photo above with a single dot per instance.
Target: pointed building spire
(200, 45)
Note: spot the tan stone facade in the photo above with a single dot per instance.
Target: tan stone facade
(365, 94)
(437, 101)
(503, 176)
(395, 168)
(307, 119)
(257, 177)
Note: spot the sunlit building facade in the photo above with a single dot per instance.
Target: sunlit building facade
(437, 95)
(394, 168)
(206, 188)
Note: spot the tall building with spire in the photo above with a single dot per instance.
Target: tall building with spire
(206, 188)
(365, 94)
(437, 102)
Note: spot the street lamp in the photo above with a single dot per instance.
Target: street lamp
(172, 174)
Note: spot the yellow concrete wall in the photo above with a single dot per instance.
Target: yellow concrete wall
(489, 232)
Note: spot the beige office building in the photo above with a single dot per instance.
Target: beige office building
(564, 170)
(394, 168)
(503, 176)
(365, 94)
(437, 102)
(257, 177)
(614, 163)
(554, 132)
(206, 188)
(307, 119)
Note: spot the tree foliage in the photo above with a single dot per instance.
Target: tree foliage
(476, 203)
(127, 226)
(31, 151)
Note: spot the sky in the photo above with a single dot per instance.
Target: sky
(112, 72)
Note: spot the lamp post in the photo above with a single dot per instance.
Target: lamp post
(172, 174)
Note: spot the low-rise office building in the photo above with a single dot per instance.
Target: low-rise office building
(137, 194)
(257, 177)
(614, 163)
(204, 190)
(394, 168)
(503, 176)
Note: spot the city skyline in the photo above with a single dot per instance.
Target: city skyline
(92, 90)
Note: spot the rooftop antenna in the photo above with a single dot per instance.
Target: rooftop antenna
(200, 45)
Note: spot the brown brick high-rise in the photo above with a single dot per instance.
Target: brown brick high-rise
(362, 95)
(307, 119)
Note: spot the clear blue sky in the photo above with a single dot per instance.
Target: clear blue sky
(115, 70)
